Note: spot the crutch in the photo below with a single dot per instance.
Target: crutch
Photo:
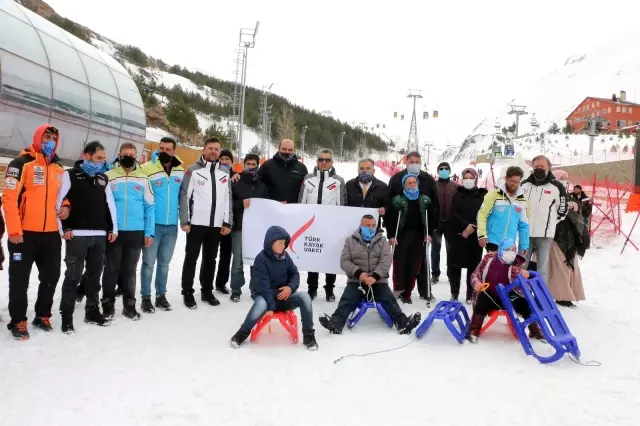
(393, 247)
(427, 266)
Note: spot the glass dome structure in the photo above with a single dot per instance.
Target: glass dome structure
(48, 75)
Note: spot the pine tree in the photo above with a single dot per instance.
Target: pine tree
(554, 129)
(179, 114)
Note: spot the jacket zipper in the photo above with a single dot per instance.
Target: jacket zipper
(46, 195)
(168, 195)
(320, 185)
(126, 190)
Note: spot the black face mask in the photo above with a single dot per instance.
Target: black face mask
(286, 156)
(540, 174)
(127, 162)
(164, 158)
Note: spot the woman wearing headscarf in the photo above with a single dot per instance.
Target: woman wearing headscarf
(466, 253)
(570, 242)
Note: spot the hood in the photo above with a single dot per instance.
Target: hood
(531, 179)
(273, 234)
(358, 236)
(444, 164)
(503, 187)
(36, 146)
(175, 162)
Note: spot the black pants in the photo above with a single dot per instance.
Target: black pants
(406, 261)
(43, 249)
(313, 278)
(352, 295)
(455, 276)
(82, 287)
(122, 257)
(486, 303)
(83, 252)
(225, 261)
(208, 239)
(422, 276)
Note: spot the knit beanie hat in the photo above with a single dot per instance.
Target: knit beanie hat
(226, 153)
(407, 176)
(444, 164)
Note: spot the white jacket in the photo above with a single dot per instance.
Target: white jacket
(197, 206)
(546, 205)
(323, 188)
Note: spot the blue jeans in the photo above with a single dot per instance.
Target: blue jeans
(237, 267)
(296, 300)
(164, 241)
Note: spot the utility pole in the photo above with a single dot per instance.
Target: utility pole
(412, 143)
(518, 110)
(233, 121)
(342, 146)
(247, 40)
(302, 138)
(429, 146)
(265, 121)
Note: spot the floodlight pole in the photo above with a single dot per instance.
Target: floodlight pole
(247, 42)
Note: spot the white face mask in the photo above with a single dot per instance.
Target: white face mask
(414, 169)
(468, 183)
(509, 257)
(565, 183)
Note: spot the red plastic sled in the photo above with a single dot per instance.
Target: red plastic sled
(289, 322)
(493, 316)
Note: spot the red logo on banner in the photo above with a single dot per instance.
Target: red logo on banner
(299, 232)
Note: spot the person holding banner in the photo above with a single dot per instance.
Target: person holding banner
(276, 279)
(411, 220)
(366, 190)
(366, 260)
(325, 187)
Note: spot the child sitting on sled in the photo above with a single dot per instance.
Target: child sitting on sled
(366, 260)
(275, 280)
(501, 267)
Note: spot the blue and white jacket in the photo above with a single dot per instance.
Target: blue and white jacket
(166, 188)
(502, 216)
(134, 200)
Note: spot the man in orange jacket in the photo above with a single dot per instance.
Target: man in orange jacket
(29, 202)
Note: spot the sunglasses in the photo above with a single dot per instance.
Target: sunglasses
(324, 160)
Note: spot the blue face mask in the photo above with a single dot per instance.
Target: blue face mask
(365, 177)
(411, 193)
(92, 168)
(48, 148)
(444, 174)
(225, 167)
(368, 233)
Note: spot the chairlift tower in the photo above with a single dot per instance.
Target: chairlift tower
(247, 40)
(518, 110)
(342, 146)
(265, 122)
(412, 143)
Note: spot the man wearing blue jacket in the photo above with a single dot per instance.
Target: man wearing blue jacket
(136, 224)
(165, 173)
(274, 285)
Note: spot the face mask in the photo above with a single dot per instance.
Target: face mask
(92, 168)
(468, 183)
(365, 177)
(539, 174)
(225, 167)
(47, 148)
(164, 158)
(414, 169)
(253, 172)
(286, 156)
(127, 162)
(509, 257)
(411, 193)
(368, 233)
(444, 174)
(564, 183)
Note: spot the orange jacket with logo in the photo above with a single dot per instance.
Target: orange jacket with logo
(31, 188)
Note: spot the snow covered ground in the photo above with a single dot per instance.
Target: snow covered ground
(176, 368)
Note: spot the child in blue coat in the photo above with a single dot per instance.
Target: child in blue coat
(275, 280)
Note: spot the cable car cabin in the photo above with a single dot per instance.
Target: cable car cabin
(497, 151)
(509, 150)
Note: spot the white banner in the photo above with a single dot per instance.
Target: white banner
(317, 232)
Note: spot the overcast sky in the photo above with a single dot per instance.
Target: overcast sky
(358, 58)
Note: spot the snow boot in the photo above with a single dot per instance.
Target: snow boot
(19, 330)
(42, 323)
(235, 297)
(327, 322)
(309, 340)
(407, 324)
(67, 324)
(129, 310)
(435, 279)
(328, 291)
(208, 297)
(454, 298)
(566, 304)
(313, 293)
(109, 309)
(146, 306)
(238, 339)
(405, 299)
(189, 301)
(163, 303)
(473, 333)
(536, 333)
(223, 289)
(93, 316)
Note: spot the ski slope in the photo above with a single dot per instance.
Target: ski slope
(176, 368)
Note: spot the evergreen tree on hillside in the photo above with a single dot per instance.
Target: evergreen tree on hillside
(134, 55)
(568, 129)
(179, 114)
(554, 129)
(218, 132)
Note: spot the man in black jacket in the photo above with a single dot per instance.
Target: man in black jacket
(248, 186)
(283, 174)
(366, 190)
(224, 262)
(86, 232)
(427, 186)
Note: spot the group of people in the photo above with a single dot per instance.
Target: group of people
(112, 214)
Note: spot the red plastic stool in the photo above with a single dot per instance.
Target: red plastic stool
(289, 322)
(493, 316)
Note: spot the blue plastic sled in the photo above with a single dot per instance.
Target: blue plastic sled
(452, 313)
(545, 312)
(363, 307)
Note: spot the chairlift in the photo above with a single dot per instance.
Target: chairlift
(509, 150)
